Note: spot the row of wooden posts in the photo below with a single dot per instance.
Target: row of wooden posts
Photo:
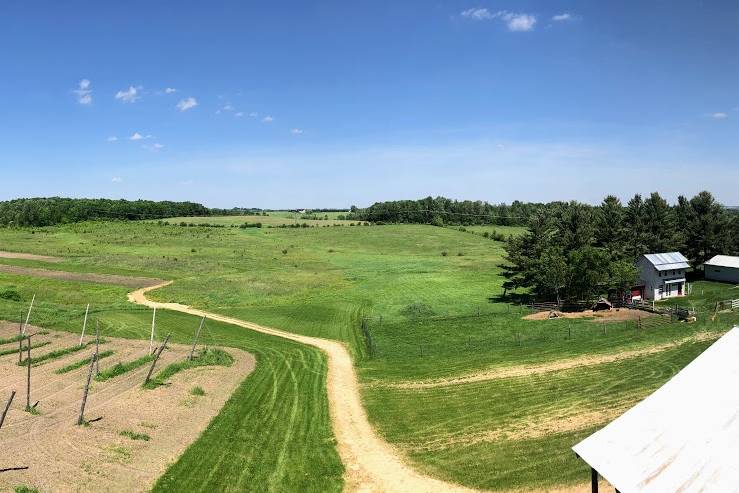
(94, 360)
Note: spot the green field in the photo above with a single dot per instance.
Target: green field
(425, 293)
(273, 218)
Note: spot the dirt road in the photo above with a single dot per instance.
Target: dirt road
(371, 464)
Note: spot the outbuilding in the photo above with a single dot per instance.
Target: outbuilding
(662, 275)
(724, 268)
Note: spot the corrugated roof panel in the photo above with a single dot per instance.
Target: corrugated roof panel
(667, 261)
(724, 261)
(683, 437)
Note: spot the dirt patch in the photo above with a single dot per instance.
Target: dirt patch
(64, 457)
(614, 315)
(559, 365)
(371, 464)
(129, 282)
(31, 256)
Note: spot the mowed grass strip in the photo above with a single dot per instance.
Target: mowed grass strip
(208, 357)
(121, 368)
(459, 433)
(82, 362)
(56, 354)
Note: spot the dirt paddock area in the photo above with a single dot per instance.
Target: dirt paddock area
(613, 315)
(139, 431)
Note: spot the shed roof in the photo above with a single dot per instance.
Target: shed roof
(667, 261)
(724, 261)
(683, 437)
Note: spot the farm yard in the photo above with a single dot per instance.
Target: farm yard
(503, 398)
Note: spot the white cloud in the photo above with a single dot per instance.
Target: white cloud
(268, 119)
(117, 179)
(565, 16)
(228, 107)
(239, 114)
(153, 147)
(138, 136)
(170, 90)
(130, 95)
(296, 131)
(84, 92)
(518, 22)
(719, 115)
(112, 138)
(253, 114)
(477, 14)
(186, 104)
(514, 21)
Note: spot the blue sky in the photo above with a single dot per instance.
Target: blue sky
(333, 103)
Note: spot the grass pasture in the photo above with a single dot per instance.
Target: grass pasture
(420, 288)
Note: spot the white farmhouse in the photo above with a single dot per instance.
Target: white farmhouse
(723, 268)
(662, 275)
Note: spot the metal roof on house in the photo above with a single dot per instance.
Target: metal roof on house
(724, 261)
(683, 437)
(667, 261)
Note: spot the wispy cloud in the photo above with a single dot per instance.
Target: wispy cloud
(477, 14)
(227, 107)
(117, 179)
(719, 115)
(563, 17)
(296, 131)
(186, 104)
(517, 22)
(112, 138)
(239, 114)
(253, 114)
(130, 95)
(138, 136)
(170, 90)
(268, 119)
(156, 147)
(84, 92)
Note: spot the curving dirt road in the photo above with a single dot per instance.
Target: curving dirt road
(371, 464)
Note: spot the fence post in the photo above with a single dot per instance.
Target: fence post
(81, 418)
(28, 381)
(7, 406)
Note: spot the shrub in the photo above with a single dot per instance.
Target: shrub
(10, 294)
(197, 390)
(284, 251)
(417, 309)
(460, 254)
(135, 436)
(444, 253)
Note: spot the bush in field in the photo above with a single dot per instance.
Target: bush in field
(417, 309)
(10, 294)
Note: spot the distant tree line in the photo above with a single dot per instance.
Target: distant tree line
(441, 211)
(576, 252)
(57, 210)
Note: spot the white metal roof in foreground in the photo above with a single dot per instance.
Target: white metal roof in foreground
(683, 437)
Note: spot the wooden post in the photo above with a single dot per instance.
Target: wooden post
(28, 317)
(81, 418)
(28, 380)
(593, 480)
(20, 341)
(7, 406)
(195, 342)
(84, 324)
(153, 323)
(156, 358)
(97, 347)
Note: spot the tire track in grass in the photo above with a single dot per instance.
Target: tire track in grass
(277, 473)
(371, 464)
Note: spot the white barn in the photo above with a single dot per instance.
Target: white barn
(662, 275)
(724, 268)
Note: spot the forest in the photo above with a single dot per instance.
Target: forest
(576, 252)
(58, 210)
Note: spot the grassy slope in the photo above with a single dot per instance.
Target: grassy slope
(274, 431)
(273, 219)
(328, 279)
